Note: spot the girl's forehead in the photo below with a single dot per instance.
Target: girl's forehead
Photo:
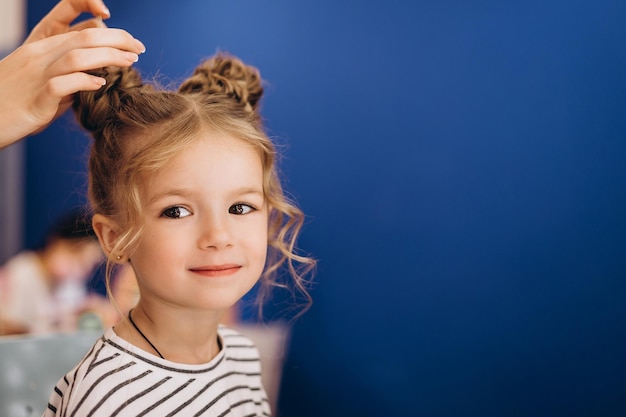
(150, 152)
(216, 148)
(216, 163)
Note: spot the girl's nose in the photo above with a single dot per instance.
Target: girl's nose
(215, 233)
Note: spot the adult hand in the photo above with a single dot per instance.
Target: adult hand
(37, 80)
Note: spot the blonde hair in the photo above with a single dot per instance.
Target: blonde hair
(137, 128)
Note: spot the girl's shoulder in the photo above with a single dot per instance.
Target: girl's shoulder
(232, 338)
(238, 348)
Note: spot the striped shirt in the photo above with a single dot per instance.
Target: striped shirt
(116, 378)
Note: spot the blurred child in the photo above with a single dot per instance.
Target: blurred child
(45, 290)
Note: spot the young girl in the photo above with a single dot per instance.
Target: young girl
(184, 188)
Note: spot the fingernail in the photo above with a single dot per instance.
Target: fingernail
(140, 46)
(106, 12)
(131, 56)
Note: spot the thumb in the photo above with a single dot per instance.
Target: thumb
(87, 24)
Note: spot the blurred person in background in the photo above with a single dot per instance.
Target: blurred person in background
(45, 290)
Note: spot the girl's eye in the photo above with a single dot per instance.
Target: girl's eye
(176, 212)
(240, 209)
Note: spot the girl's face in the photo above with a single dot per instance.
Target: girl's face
(206, 222)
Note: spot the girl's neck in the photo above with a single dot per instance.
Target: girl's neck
(178, 335)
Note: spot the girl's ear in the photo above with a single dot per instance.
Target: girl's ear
(107, 231)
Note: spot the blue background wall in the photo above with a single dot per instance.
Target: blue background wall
(462, 166)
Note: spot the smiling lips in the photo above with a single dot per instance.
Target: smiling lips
(216, 270)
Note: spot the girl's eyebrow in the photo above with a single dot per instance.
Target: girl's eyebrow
(184, 192)
(249, 190)
(178, 192)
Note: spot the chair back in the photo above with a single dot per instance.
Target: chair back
(30, 367)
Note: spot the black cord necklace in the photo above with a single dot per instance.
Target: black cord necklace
(143, 335)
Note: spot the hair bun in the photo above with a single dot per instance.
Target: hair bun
(96, 109)
(228, 75)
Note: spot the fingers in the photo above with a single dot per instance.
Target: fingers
(65, 85)
(58, 20)
(100, 37)
(55, 99)
(48, 61)
(50, 50)
(87, 24)
(66, 11)
(86, 59)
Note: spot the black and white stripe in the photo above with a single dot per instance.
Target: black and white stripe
(117, 379)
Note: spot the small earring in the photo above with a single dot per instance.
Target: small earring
(118, 257)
